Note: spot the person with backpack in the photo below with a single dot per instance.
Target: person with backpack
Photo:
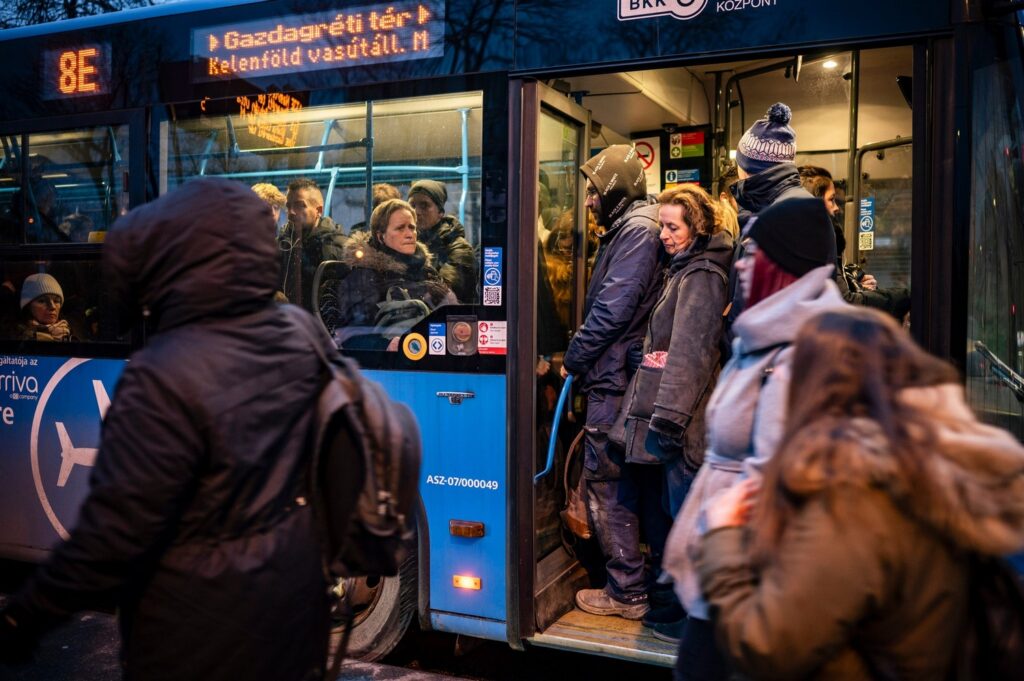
(391, 282)
(851, 557)
(785, 276)
(198, 526)
(662, 419)
(602, 355)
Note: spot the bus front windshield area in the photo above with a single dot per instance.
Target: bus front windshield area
(377, 204)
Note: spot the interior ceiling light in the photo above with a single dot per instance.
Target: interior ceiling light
(830, 64)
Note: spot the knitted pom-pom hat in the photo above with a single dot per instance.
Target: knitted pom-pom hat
(768, 142)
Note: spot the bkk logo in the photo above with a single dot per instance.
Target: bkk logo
(683, 9)
(62, 413)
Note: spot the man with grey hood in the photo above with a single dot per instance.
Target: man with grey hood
(603, 354)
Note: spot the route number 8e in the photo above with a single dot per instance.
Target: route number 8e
(76, 71)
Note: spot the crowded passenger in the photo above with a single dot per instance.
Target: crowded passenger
(602, 356)
(380, 192)
(445, 239)
(391, 282)
(308, 239)
(727, 201)
(662, 418)
(785, 277)
(849, 557)
(41, 301)
(273, 197)
(856, 286)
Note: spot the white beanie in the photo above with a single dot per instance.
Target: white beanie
(39, 285)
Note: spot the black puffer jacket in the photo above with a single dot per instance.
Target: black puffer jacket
(195, 525)
(376, 275)
(453, 257)
(325, 241)
(759, 191)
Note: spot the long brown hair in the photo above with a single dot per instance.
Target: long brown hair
(848, 364)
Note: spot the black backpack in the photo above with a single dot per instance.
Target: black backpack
(364, 470)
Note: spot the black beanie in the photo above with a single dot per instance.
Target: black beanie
(435, 190)
(796, 235)
(618, 174)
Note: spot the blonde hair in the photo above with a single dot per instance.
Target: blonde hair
(381, 216)
(701, 212)
(270, 194)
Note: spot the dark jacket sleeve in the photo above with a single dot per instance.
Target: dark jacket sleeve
(831, 573)
(632, 266)
(460, 271)
(693, 352)
(145, 473)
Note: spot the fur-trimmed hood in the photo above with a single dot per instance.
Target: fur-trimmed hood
(364, 251)
(976, 472)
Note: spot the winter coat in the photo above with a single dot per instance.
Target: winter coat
(747, 410)
(623, 289)
(384, 293)
(686, 323)
(759, 191)
(196, 525)
(325, 241)
(869, 578)
(453, 257)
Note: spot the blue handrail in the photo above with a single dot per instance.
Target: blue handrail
(554, 429)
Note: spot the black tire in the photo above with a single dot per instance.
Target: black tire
(379, 625)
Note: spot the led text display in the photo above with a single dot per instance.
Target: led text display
(79, 71)
(372, 34)
(261, 115)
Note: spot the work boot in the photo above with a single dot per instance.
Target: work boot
(669, 632)
(599, 602)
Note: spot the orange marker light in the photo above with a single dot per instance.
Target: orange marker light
(464, 582)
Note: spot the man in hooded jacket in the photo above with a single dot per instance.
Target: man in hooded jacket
(602, 356)
(196, 525)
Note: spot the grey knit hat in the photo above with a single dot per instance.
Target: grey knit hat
(768, 142)
(39, 285)
(437, 192)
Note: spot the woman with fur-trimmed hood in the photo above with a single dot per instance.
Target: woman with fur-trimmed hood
(855, 563)
(392, 283)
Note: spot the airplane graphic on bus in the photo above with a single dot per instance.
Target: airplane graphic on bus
(71, 455)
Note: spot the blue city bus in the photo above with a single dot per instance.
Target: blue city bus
(913, 107)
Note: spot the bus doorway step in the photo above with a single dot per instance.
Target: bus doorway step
(608, 636)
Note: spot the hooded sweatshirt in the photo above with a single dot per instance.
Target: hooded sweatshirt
(626, 278)
(873, 565)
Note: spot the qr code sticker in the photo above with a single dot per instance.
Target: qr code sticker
(492, 295)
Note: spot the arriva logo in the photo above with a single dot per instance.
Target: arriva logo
(66, 404)
(641, 9)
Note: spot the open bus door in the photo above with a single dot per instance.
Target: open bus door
(556, 244)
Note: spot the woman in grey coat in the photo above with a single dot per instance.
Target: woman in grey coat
(786, 277)
(662, 421)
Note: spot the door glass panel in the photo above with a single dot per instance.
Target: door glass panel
(352, 157)
(558, 240)
(995, 331)
(77, 185)
(884, 216)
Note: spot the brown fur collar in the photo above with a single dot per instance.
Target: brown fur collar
(976, 474)
(362, 251)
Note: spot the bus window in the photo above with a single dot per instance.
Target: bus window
(995, 332)
(367, 285)
(76, 185)
(55, 301)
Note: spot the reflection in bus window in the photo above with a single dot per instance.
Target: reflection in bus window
(61, 300)
(76, 185)
(352, 152)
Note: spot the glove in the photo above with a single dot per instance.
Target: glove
(17, 643)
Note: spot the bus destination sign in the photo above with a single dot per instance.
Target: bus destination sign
(79, 71)
(372, 34)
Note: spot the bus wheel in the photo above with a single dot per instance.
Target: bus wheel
(383, 608)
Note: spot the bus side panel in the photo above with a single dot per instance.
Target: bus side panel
(463, 478)
(50, 415)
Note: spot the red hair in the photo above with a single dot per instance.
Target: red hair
(768, 278)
